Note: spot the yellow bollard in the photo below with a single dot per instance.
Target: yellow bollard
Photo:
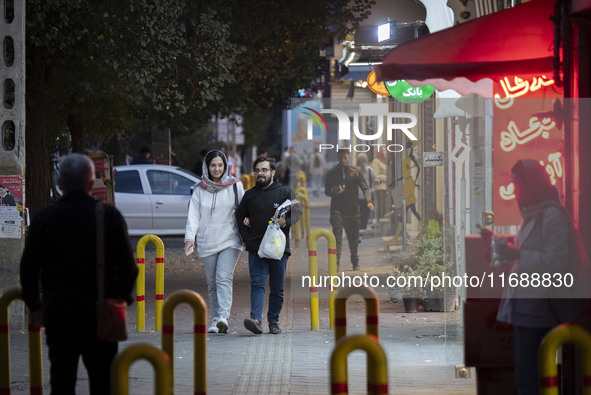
(35, 360)
(244, 180)
(300, 180)
(558, 336)
(302, 191)
(141, 280)
(248, 181)
(371, 311)
(295, 229)
(194, 300)
(313, 272)
(305, 203)
(158, 359)
(377, 365)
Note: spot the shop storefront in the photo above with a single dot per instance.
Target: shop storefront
(524, 81)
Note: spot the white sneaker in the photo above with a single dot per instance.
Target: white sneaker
(213, 328)
(222, 325)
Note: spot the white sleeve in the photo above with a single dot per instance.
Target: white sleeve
(193, 216)
(240, 188)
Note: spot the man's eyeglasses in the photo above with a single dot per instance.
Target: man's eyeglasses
(261, 171)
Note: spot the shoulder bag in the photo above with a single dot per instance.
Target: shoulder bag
(110, 313)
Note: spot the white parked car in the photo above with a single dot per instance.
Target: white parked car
(154, 199)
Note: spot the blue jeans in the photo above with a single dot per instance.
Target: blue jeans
(219, 273)
(260, 269)
(526, 345)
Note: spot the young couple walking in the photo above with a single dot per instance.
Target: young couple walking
(222, 216)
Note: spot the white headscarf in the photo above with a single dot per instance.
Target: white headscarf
(225, 181)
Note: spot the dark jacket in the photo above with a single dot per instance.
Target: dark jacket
(60, 256)
(259, 206)
(346, 202)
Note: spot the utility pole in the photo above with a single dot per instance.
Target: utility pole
(12, 149)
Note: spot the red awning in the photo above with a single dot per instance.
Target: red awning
(514, 41)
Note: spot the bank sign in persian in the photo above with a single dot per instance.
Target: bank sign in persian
(405, 93)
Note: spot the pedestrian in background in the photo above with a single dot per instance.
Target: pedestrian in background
(342, 183)
(369, 177)
(60, 287)
(211, 227)
(380, 168)
(317, 170)
(198, 166)
(544, 244)
(253, 215)
(144, 157)
(409, 182)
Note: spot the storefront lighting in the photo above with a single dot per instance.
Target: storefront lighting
(387, 31)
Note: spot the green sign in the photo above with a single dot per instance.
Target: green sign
(405, 93)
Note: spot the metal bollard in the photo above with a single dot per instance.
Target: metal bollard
(300, 180)
(141, 280)
(159, 360)
(371, 311)
(313, 271)
(248, 181)
(547, 357)
(305, 203)
(194, 300)
(35, 360)
(295, 230)
(301, 191)
(244, 180)
(377, 365)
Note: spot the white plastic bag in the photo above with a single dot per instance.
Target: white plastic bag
(273, 243)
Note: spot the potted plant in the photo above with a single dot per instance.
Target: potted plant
(408, 283)
(407, 286)
(432, 261)
(423, 260)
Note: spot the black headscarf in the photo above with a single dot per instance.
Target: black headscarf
(532, 184)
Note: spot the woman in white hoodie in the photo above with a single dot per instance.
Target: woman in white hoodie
(211, 228)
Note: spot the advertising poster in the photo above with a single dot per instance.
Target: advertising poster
(11, 207)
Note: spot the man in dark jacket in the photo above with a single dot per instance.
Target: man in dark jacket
(60, 259)
(256, 209)
(342, 184)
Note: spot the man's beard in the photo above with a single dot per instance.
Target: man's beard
(264, 182)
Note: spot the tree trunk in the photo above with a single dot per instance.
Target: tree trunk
(76, 131)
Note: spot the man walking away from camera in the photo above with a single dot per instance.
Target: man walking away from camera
(256, 209)
(60, 259)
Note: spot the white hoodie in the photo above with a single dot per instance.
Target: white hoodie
(211, 223)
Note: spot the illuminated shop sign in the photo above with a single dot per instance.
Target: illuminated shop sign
(517, 87)
(520, 131)
(405, 93)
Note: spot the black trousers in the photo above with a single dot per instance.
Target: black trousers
(351, 226)
(66, 345)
